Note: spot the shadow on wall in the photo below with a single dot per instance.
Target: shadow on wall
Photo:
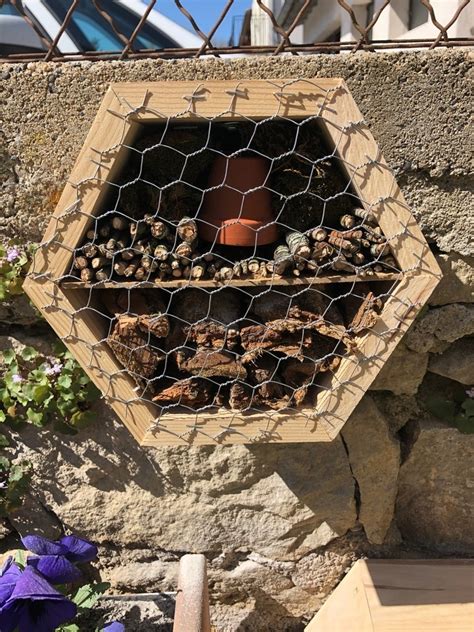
(308, 489)
(261, 619)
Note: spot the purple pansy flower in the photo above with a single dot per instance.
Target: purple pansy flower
(35, 605)
(114, 626)
(8, 577)
(55, 560)
(79, 550)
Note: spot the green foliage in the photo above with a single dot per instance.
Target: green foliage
(37, 389)
(87, 596)
(14, 481)
(457, 410)
(14, 263)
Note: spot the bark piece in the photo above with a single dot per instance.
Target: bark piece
(367, 314)
(192, 392)
(240, 396)
(208, 333)
(262, 369)
(256, 338)
(211, 363)
(316, 323)
(131, 347)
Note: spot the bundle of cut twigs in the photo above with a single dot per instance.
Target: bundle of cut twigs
(155, 250)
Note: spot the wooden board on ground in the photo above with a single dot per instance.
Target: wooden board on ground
(401, 595)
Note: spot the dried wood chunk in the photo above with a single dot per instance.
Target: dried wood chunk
(131, 347)
(192, 392)
(367, 314)
(256, 338)
(208, 333)
(240, 396)
(273, 394)
(210, 363)
(262, 369)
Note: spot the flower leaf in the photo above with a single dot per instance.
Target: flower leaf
(468, 406)
(441, 408)
(8, 356)
(464, 423)
(40, 393)
(28, 353)
(88, 595)
(64, 381)
(36, 418)
(20, 558)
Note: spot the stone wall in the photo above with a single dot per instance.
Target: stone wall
(280, 525)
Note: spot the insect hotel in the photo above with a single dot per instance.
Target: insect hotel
(231, 262)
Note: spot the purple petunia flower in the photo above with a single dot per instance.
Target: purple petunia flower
(12, 254)
(55, 560)
(114, 626)
(35, 605)
(8, 577)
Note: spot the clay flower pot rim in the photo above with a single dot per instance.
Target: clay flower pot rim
(237, 205)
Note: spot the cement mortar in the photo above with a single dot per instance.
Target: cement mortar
(416, 103)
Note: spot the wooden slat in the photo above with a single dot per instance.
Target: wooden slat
(280, 281)
(394, 595)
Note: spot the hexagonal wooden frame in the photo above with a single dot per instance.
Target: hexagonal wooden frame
(125, 106)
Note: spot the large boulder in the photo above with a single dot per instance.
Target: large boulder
(456, 363)
(374, 456)
(403, 372)
(457, 283)
(435, 501)
(439, 327)
(279, 501)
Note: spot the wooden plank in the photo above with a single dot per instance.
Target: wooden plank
(218, 99)
(346, 610)
(394, 595)
(277, 281)
(226, 426)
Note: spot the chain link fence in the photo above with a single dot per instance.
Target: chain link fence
(68, 30)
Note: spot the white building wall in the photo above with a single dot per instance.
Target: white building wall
(328, 16)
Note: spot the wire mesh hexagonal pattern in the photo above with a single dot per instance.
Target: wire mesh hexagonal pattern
(231, 262)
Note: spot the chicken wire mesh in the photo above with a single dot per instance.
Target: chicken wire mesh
(126, 32)
(229, 267)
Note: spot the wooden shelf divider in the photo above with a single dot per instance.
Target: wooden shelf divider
(270, 281)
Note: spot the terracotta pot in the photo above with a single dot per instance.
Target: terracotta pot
(232, 216)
